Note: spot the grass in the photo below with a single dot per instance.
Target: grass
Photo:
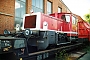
(62, 55)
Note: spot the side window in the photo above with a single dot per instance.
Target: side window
(73, 20)
(20, 10)
(49, 7)
(66, 18)
(59, 9)
(37, 5)
(19, 43)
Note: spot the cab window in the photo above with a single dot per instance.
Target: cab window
(73, 20)
(66, 17)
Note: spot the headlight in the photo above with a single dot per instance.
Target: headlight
(6, 32)
(27, 33)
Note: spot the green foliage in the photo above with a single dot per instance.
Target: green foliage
(62, 55)
(87, 18)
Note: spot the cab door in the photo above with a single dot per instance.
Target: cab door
(67, 23)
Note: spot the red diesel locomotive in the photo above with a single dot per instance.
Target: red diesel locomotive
(55, 29)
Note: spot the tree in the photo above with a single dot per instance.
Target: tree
(87, 17)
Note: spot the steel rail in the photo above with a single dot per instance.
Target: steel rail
(55, 49)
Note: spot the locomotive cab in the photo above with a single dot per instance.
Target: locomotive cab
(69, 21)
(69, 24)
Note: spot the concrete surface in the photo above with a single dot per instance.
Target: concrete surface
(85, 57)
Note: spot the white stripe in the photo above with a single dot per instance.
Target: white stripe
(53, 30)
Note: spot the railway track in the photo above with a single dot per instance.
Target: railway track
(55, 49)
(40, 55)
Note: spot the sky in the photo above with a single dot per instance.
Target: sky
(79, 7)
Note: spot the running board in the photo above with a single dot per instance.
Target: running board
(63, 43)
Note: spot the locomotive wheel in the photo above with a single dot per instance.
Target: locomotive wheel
(27, 33)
